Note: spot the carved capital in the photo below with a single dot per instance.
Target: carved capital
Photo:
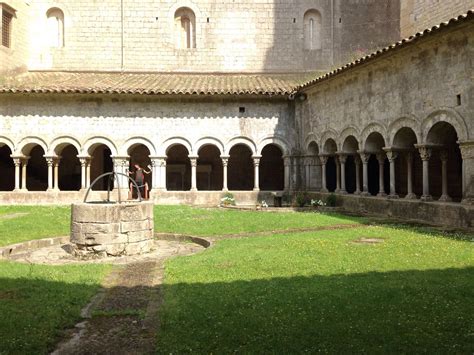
(364, 156)
(287, 161)
(323, 159)
(391, 155)
(193, 162)
(225, 162)
(425, 153)
(467, 150)
(342, 158)
(443, 155)
(256, 162)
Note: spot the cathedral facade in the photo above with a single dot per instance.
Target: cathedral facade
(260, 98)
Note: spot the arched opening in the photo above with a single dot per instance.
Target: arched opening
(36, 170)
(330, 148)
(350, 147)
(101, 163)
(404, 143)
(140, 155)
(7, 168)
(209, 169)
(312, 30)
(373, 145)
(240, 168)
(444, 136)
(55, 28)
(313, 172)
(272, 169)
(185, 23)
(69, 171)
(178, 169)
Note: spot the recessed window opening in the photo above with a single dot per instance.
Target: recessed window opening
(458, 99)
(242, 109)
(185, 24)
(7, 18)
(55, 28)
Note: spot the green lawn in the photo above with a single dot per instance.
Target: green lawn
(318, 292)
(215, 222)
(294, 292)
(37, 302)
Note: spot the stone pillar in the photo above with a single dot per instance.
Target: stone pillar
(410, 195)
(83, 161)
(324, 160)
(155, 172)
(444, 176)
(56, 162)
(357, 162)
(256, 164)
(342, 173)
(88, 172)
(287, 163)
(307, 166)
(225, 164)
(365, 157)
(381, 160)
(50, 162)
(193, 159)
(17, 163)
(24, 162)
(338, 175)
(121, 166)
(392, 157)
(425, 153)
(467, 152)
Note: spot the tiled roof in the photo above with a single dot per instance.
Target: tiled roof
(154, 83)
(400, 44)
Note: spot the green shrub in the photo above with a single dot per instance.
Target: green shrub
(331, 200)
(301, 199)
(228, 199)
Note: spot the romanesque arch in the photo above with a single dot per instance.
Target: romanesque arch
(209, 166)
(449, 116)
(272, 170)
(7, 167)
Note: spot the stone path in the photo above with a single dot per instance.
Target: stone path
(123, 317)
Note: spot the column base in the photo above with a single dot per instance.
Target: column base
(225, 189)
(365, 193)
(324, 191)
(193, 189)
(256, 189)
(393, 197)
(426, 198)
(411, 196)
(445, 198)
(357, 193)
(342, 192)
(381, 194)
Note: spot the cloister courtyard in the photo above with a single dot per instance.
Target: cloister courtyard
(247, 282)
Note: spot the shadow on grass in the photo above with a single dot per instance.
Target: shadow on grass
(33, 312)
(409, 312)
(413, 311)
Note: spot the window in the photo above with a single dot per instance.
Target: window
(185, 23)
(7, 18)
(312, 30)
(55, 28)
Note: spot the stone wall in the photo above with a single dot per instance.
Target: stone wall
(158, 123)
(243, 36)
(415, 87)
(417, 15)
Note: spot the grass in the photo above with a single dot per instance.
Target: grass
(37, 302)
(319, 292)
(23, 223)
(215, 222)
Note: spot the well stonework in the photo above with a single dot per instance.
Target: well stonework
(102, 230)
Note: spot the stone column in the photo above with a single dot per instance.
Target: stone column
(342, 173)
(24, 162)
(17, 163)
(444, 176)
(193, 159)
(121, 166)
(56, 162)
(307, 166)
(425, 153)
(467, 152)
(225, 163)
(392, 157)
(357, 162)
(338, 175)
(365, 157)
(50, 162)
(410, 195)
(287, 164)
(88, 172)
(155, 173)
(256, 164)
(83, 161)
(381, 160)
(324, 160)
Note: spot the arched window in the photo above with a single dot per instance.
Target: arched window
(55, 28)
(312, 30)
(185, 26)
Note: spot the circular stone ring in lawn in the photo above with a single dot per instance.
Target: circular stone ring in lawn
(60, 252)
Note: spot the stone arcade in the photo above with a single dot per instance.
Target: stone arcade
(191, 92)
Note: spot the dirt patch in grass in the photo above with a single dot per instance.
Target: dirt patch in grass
(368, 241)
(13, 215)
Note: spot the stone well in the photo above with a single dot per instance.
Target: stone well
(111, 229)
